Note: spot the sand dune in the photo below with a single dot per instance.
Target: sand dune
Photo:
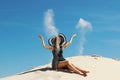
(100, 69)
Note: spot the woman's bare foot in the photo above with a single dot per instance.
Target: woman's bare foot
(84, 73)
(87, 71)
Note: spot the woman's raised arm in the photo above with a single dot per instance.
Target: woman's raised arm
(43, 44)
(70, 41)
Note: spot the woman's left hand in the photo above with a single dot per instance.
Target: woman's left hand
(74, 35)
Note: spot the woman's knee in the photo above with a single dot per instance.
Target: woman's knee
(68, 63)
(65, 63)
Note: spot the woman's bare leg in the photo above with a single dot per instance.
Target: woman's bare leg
(81, 69)
(84, 71)
(70, 67)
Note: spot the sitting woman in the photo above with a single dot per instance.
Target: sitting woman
(57, 44)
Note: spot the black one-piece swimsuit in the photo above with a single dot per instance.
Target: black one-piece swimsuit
(57, 57)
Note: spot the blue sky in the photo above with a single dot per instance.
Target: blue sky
(21, 22)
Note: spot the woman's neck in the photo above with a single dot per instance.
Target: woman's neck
(57, 45)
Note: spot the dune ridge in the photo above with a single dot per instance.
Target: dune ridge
(100, 68)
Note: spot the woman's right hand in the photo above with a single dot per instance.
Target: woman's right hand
(40, 36)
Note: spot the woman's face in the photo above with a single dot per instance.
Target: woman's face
(58, 40)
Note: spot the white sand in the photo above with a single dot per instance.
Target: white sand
(100, 69)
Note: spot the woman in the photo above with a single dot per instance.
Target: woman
(57, 44)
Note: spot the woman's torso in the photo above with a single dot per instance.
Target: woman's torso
(57, 57)
(58, 53)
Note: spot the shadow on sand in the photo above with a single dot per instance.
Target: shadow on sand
(46, 69)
